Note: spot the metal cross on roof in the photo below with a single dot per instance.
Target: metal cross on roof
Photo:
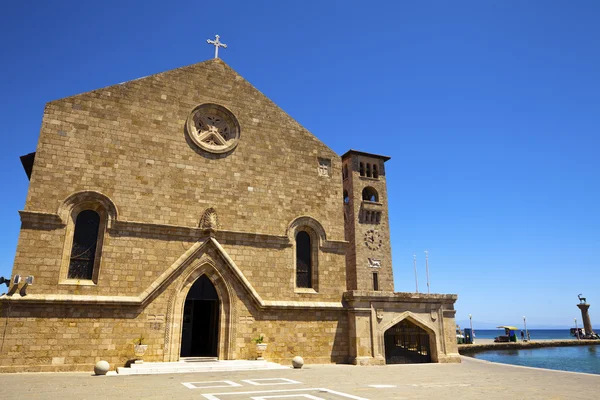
(217, 44)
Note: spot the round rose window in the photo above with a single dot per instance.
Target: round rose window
(213, 128)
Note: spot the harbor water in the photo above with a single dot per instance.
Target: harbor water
(571, 358)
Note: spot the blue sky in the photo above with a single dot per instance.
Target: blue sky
(489, 110)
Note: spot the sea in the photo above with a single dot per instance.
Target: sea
(572, 358)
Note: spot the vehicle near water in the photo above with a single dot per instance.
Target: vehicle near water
(580, 334)
(509, 334)
(577, 332)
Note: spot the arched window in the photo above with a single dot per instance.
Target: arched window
(368, 170)
(362, 169)
(87, 215)
(345, 172)
(370, 194)
(303, 260)
(346, 197)
(375, 171)
(85, 240)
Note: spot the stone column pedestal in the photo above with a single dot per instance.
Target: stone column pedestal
(585, 317)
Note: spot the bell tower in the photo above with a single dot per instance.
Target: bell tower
(369, 255)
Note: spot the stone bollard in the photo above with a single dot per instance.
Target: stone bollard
(297, 362)
(101, 367)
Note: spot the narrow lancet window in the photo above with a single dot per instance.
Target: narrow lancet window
(375, 281)
(303, 260)
(362, 169)
(375, 171)
(85, 239)
(369, 170)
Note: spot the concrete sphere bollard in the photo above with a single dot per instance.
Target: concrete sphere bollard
(101, 367)
(297, 362)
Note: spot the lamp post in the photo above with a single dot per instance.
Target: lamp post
(471, 323)
(576, 329)
(525, 323)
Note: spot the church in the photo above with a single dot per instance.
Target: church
(188, 209)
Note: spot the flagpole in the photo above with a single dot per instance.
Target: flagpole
(427, 268)
(416, 277)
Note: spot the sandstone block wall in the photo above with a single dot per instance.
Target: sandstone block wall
(128, 141)
(59, 337)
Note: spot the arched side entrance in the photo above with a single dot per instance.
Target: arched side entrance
(200, 325)
(407, 343)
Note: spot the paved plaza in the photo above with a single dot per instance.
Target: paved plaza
(473, 379)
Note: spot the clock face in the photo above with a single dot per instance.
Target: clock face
(373, 239)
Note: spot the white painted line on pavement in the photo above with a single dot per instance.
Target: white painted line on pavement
(344, 394)
(218, 396)
(277, 381)
(207, 384)
(436, 385)
(287, 396)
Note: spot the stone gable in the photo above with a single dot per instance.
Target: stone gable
(128, 141)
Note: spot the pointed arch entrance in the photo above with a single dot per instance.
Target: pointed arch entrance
(406, 343)
(205, 268)
(200, 324)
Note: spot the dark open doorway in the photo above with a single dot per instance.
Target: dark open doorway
(200, 333)
(406, 343)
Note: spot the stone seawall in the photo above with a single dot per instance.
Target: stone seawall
(467, 349)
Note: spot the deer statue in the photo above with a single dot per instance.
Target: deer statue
(582, 300)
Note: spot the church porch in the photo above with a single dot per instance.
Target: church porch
(421, 327)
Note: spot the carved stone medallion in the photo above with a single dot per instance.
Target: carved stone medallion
(324, 168)
(434, 314)
(374, 263)
(209, 220)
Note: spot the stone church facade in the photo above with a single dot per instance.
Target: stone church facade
(188, 208)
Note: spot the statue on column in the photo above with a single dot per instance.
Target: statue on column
(585, 316)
